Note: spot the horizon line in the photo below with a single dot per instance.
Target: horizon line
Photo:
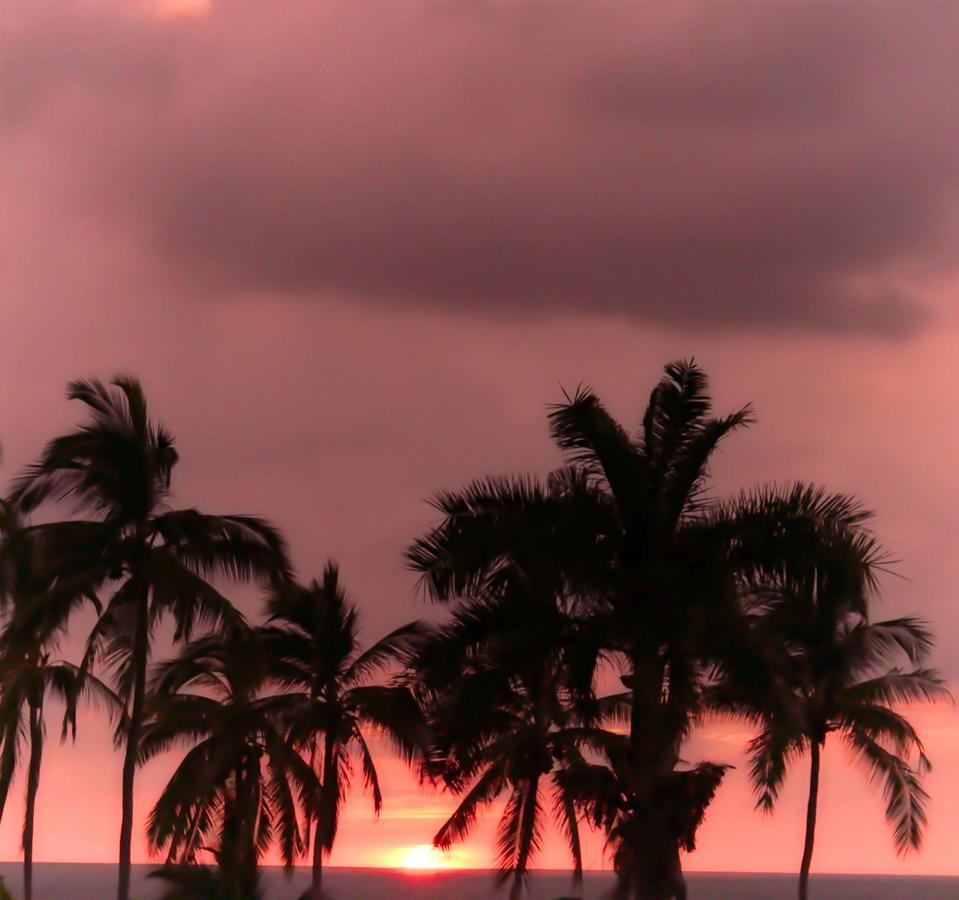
(468, 870)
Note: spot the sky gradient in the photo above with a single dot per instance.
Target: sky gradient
(354, 249)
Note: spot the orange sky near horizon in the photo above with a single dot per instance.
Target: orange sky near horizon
(732, 838)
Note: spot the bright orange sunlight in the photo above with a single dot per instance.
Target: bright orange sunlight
(421, 858)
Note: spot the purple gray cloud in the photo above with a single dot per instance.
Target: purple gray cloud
(781, 166)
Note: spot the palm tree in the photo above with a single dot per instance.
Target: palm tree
(27, 672)
(312, 641)
(153, 561)
(837, 677)
(633, 538)
(238, 787)
(29, 676)
(509, 697)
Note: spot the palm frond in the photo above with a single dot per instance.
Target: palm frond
(486, 789)
(769, 755)
(901, 788)
(395, 647)
(596, 442)
(564, 812)
(369, 771)
(519, 834)
(871, 643)
(896, 686)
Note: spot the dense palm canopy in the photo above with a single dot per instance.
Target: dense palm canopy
(508, 693)
(330, 708)
(147, 559)
(238, 788)
(838, 676)
(634, 552)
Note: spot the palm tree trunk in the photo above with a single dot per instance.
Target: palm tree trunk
(33, 784)
(317, 890)
(810, 820)
(329, 794)
(140, 648)
(244, 865)
(655, 749)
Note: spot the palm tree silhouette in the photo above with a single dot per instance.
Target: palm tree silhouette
(238, 786)
(835, 671)
(509, 697)
(27, 672)
(631, 534)
(312, 641)
(154, 561)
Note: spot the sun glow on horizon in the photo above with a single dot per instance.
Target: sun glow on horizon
(421, 858)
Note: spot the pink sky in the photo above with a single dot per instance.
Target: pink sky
(354, 249)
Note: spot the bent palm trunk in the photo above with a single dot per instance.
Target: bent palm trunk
(810, 821)
(33, 784)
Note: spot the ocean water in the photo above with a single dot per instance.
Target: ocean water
(69, 881)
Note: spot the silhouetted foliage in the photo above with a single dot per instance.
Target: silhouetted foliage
(835, 671)
(237, 789)
(28, 673)
(151, 561)
(618, 563)
(507, 688)
(329, 703)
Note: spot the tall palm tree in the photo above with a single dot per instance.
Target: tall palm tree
(238, 787)
(28, 674)
(508, 693)
(837, 676)
(151, 560)
(312, 640)
(632, 535)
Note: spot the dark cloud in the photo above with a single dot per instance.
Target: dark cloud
(727, 165)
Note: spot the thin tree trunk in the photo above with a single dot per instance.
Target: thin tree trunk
(810, 820)
(33, 784)
(140, 648)
(329, 797)
(317, 892)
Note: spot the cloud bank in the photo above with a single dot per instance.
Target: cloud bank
(719, 166)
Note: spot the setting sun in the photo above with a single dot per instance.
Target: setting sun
(422, 858)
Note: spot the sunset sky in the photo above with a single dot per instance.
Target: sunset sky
(353, 249)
